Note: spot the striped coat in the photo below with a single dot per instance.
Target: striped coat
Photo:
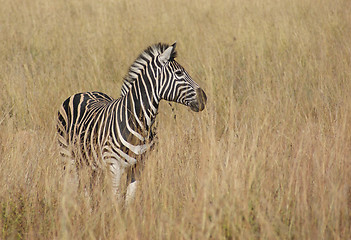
(99, 131)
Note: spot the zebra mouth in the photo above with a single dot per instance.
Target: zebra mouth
(199, 104)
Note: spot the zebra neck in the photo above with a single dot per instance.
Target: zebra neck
(143, 108)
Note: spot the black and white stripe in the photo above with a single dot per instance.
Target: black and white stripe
(99, 131)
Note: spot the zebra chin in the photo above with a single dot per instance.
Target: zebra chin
(199, 104)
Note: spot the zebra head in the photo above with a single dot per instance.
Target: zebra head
(176, 84)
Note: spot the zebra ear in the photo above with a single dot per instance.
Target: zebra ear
(167, 54)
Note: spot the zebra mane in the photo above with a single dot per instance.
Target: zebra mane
(144, 58)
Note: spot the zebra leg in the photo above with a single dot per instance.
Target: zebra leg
(70, 173)
(116, 173)
(131, 192)
(132, 184)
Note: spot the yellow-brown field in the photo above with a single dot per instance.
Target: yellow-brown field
(269, 158)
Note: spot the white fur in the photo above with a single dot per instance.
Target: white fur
(166, 55)
(131, 189)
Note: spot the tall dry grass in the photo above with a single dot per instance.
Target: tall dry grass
(269, 158)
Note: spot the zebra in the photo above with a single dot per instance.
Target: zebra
(102, 132)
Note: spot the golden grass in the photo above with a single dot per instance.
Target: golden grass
(269, 158)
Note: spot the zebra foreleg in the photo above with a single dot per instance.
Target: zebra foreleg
(116, 173)
(131, 192)
(131, 183)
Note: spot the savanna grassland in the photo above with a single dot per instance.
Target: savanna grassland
(269, 157)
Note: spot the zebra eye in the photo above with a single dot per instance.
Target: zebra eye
(178, 73)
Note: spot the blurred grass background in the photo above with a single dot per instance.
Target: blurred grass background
(269, 158)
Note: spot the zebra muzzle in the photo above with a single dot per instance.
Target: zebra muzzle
(199, 104)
